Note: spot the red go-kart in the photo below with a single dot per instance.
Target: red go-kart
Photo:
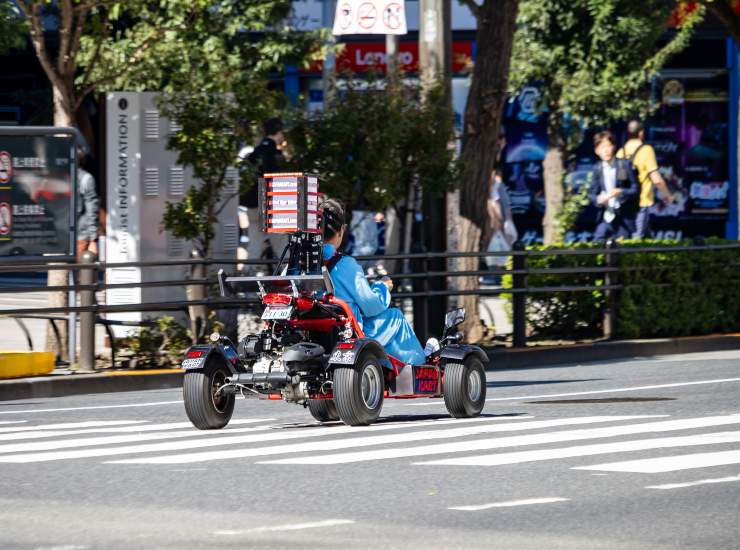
(313, 352)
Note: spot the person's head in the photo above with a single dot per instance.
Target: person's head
(635, 130)
(273, 128)
(334, 221)
(605, 145)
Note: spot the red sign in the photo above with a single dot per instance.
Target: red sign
(360, 57)
(6, 167)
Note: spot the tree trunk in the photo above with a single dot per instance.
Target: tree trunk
(553, 169)
(62, 117)
(483, 112)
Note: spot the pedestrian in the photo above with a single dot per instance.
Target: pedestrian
(504, 232)
(267, 158)
(87, 208)
(613, 191)
(642, 157)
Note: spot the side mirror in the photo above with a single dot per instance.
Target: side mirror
(453, 319)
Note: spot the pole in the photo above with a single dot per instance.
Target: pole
(87, 318)
(519, 299)
(327, 72)
(391, 60)
(435, 66)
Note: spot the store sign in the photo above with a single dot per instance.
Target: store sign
(36, 195)
(360, 57)
(370, 17)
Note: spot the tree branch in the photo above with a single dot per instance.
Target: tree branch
(472, 6)
(66, 22)
(31, 11)
(81, 12)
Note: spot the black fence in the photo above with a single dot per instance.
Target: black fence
(425, 282)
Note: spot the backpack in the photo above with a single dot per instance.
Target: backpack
(635, 171)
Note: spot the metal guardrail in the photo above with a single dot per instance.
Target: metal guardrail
(416, 286)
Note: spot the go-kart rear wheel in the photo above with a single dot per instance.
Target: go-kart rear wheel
(323, 410)
(358, 391)
(206, 407)
(465, 388)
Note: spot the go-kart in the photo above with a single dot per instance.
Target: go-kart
(313, 352)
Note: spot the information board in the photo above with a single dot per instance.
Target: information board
(36, 195)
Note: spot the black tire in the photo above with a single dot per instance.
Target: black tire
(465, 388)
(204, 409)
(323, 410)
(359, 404)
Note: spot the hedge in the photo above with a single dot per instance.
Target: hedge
(667, 293)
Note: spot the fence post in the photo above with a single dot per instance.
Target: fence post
(610, 296)
(519, 299)
(87, 277)
(196, 292)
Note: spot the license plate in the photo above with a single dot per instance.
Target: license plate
(277, 313)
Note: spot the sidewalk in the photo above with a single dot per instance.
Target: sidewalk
(64, 382)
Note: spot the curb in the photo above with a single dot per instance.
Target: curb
(119, 381)
(545, 356)
(76, 384)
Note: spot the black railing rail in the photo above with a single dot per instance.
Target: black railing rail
(415, 285)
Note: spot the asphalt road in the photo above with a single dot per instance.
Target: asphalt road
(642, 454)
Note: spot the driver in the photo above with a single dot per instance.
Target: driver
(369, 303)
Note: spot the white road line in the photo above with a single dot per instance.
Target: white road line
(694, 483)
(597, 392)
(288, 527)
(367, 441)
(513, 441)
(277, 435)
(29, 411)
(523, 502)
(122, 429)
(587, 450)
(117, 439)
(13, 421)
(66, 425)
(669, 463)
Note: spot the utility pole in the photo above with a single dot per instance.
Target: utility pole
(435, 66)
(327, 72)
(391, 60)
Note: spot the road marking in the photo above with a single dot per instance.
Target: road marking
(90, 424)
(586, 450)
(669, 463)
(28, 411)
(366, 441)
(694, 483)
(596, 392)
(13, 421)
(513, 441)
(289, 527)
(116, 439)
(524, 502)
(277, 435)
(122, 429)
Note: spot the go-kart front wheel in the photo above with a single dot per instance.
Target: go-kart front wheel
(358, 391)
(323, 410)
(465, 388)
(206, 407)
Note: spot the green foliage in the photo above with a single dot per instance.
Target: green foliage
(594, 58)
(668, 293)
(12, 27)
(371, 143)
(163, 344)
(208, 141)
(576, 199)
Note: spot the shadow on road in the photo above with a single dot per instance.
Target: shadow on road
(509, 383)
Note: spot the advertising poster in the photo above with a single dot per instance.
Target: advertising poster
(526, 146)
(35, 195)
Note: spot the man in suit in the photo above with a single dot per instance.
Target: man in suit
(613, 190)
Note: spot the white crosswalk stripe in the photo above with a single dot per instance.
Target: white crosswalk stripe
(136, 428)
(514, 441)
(670, 463)
(220, 440)
(492, 441)
(371, 441)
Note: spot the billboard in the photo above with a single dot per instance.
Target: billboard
(36, 195)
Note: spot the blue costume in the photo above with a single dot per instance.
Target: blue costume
(369, 304)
